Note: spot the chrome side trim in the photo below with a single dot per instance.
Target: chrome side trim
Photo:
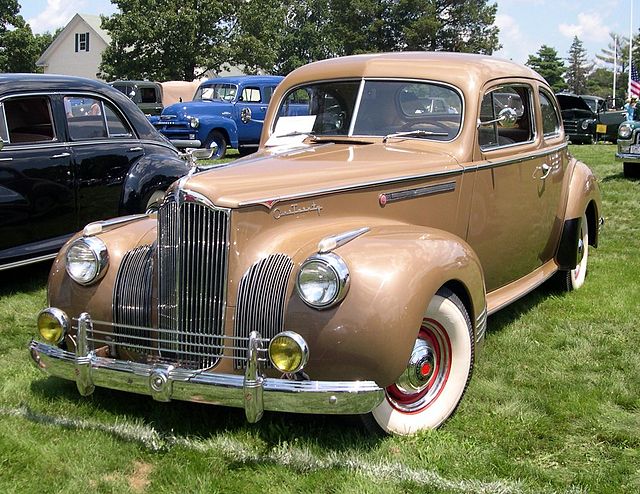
(17, 264)
(402, 195)
(98, 226)
(280, 395)
(327, 244)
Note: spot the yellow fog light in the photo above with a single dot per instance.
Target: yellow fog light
(53, 325)
(288, 352)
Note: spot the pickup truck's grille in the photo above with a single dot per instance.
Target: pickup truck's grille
(192, 267)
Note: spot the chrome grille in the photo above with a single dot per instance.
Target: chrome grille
(192, 266)
(132, 296)
(261, 300)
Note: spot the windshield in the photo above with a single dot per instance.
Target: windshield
(371, 108)
(218, 92)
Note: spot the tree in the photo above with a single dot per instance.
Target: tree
(578, 68)
(165, 39)
(550, 66)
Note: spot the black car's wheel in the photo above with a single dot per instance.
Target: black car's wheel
(217, 138)
(152, 201)
(438, 372)
(631, 170)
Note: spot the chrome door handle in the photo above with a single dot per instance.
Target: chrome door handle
(6, 159)
(61, 155)
(546, 169)
(137, 148)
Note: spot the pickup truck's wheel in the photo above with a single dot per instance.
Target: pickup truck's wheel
(631, 170)
(439, 369)
(221, 142)
(574, 279)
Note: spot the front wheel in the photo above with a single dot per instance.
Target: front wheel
(218, 139)
(631, 170)
(438, 372)
(153, 200)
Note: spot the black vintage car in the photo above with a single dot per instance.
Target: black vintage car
(73, 151)
(587, 118)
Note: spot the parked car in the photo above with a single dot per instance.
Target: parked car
(73, 151)
(146, 94)
(226, 113)
(587, 118)
(629, 148)
(349, 266)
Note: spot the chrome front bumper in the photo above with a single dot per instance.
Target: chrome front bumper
(253, 392)
(186, 143)
(628, 157)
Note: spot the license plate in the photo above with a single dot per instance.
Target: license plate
(601, 129)
(635, 149)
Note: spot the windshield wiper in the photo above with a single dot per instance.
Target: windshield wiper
(415, 133)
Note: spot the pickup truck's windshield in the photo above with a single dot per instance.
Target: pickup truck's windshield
(371, 108)
(218, 92)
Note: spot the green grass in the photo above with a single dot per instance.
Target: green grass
(554, 405)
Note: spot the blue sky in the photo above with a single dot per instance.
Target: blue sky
(525, 25)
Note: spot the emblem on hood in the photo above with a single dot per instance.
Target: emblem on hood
(296, 209)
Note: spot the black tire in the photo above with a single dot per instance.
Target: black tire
(221, 142)
(246, 151)
(152, 201)
(631, 170)
(574, 279)
(439, 372)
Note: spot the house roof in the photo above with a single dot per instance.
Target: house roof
(92, 21)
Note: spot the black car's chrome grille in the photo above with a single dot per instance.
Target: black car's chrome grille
(132, 296)
(192, 267)
(261, 300)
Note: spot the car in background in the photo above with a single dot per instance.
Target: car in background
(608, 117)
(587, 118)
(73, 151)
(146, 94)
(225, 113)
(349, 266)
(629, 148)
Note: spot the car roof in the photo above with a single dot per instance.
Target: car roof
(48, 81)
(465, 70)
(256, 79)
(137, 83)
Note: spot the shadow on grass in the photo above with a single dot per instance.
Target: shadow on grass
(24, 279)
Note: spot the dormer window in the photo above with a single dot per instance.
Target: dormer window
(82, 42)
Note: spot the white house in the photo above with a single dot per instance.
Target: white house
(77, 50)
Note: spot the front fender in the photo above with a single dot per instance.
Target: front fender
(215, 122)
(151, 172)
(395, 271)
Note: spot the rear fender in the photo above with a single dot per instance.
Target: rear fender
(394, 273)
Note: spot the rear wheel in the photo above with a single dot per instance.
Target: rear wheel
(437, 374)
(574, 278)
(219, 140)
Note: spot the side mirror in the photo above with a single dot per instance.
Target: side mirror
(132, 94)
(507, 118)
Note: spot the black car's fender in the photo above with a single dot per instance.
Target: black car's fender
(150, 173)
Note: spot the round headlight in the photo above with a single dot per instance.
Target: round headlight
(585, 123)
(87, 260)
(194, 122)
(288, 352)
(53, 325)
(323, 280)
(625, 130)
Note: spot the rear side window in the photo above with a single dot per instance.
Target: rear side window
(549, 112)
(27, 119)
(251, 95)
(506, 116)
(91, 118)
(148, 95)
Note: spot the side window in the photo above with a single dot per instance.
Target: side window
(116, 126)
(27, 119)
(268, 92)
(550, 119)
(84, 118)
(251, 95)
(148, 95)
(4, 133)
(506, 116)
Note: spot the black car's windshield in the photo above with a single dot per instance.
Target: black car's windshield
(370, 108)
(217, 92)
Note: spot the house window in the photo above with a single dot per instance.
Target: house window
(82, 42)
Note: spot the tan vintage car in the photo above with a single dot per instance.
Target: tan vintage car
(349, 266)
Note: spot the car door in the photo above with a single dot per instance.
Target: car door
(513, 225)
(104, 147)
(37, 197)
(255, 98)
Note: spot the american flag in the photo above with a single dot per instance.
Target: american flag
(634, 83)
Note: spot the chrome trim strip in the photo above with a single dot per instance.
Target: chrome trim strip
(98, 226)
(327, 244)
(481, 325)
(281, 395)
(33, 260)
(419, 192)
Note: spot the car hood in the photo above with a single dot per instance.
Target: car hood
(281, 174)
(571, 102)
(196, 108)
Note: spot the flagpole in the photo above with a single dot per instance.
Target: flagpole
(630, 47)
(615, 69)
